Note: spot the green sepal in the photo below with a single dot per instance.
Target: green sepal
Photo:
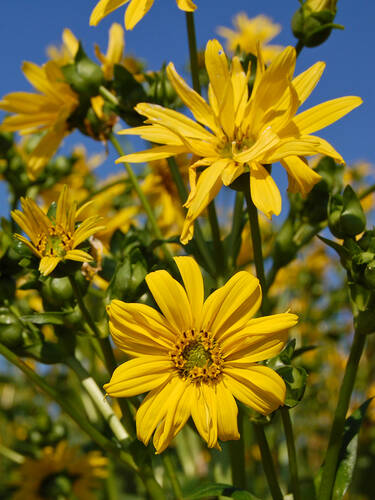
(129, 93)
(84, 76)
(295, 378)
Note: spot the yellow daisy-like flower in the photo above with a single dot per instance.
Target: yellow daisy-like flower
(197, 356)
(61, 470)
(47, 110)
(135, 11)
(114, 55)
(55, 240)
(251, 31)
(66, 53)
(246, 132)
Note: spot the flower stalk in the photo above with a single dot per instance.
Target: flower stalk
(292, 456)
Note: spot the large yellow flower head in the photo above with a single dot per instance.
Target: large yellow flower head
(135, 11)
(47, 111)
(61, 470)
(196, 356)
(236, 132)
(55, 239)
(251, 31)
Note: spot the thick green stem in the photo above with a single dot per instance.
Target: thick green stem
(237, 457)
(169, 467)
(337, 430)
(366, 192)
(98, 398)
(143, 199)
(292, 456)
(236, 229)
(67, 406)
(192, 39)
(257, 247)
(218, 245)
(106, 350)
(267, 462)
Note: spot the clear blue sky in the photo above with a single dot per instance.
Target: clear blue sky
(28, 27)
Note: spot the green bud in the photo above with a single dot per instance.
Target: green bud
(11, 335)
(74, 318)
(84, 76)
(57, 291)
(335, 208)
(364, 322)
(353, 219)
(313, 22)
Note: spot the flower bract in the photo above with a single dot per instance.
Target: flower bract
(195, 357)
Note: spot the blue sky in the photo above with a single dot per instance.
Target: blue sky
(27, 28)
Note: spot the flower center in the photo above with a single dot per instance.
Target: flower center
(241, 142)
(197, 356)
(56, 243)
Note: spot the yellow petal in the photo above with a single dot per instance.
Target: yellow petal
(139, 329)
(200, 109)
(305, 82)
(154, 133)
(242, 351)
(136, 10)
(45, 149)
(156, 153)
(305, 177)
(78, 256)
(204, 413)
(324, 114)
(176, 417)
(257, 386)
(226, 413)
(264, 191)
(265, 142)
(116, 44)
(48, 264)
(186, 5)
(172, 299)
(230, 307)
(103, 8)
(138, 375)
(193, 283)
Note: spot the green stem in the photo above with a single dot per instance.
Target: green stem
(74, 414)
(143, 200)
(219, 253)
(267, 462)
(193, 51)
(257, 245)
(198, 236)
(106, 351)
(337, 430)
(292, 456)
(366, 192)
(299, 46)
(108, 95)
(237, 457)
(11, 454)
(98, 398)
(236, 229)
(169, 467)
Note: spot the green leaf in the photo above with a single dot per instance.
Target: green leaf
(302, 350)
(46, 318)
(295, 381)
(348, 452)
(217, 489)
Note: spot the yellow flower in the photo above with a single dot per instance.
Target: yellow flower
(55, 240)
(249, 32)
(66, 53)
(247, 131)
(135, 11)
(61, 471)
(47, 111)
(197, 356)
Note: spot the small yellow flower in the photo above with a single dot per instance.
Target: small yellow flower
(55, 240)
(47, 111)
(61, 467)
(251, 31)
(237, 133)
(196, 356)
(135, 11)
